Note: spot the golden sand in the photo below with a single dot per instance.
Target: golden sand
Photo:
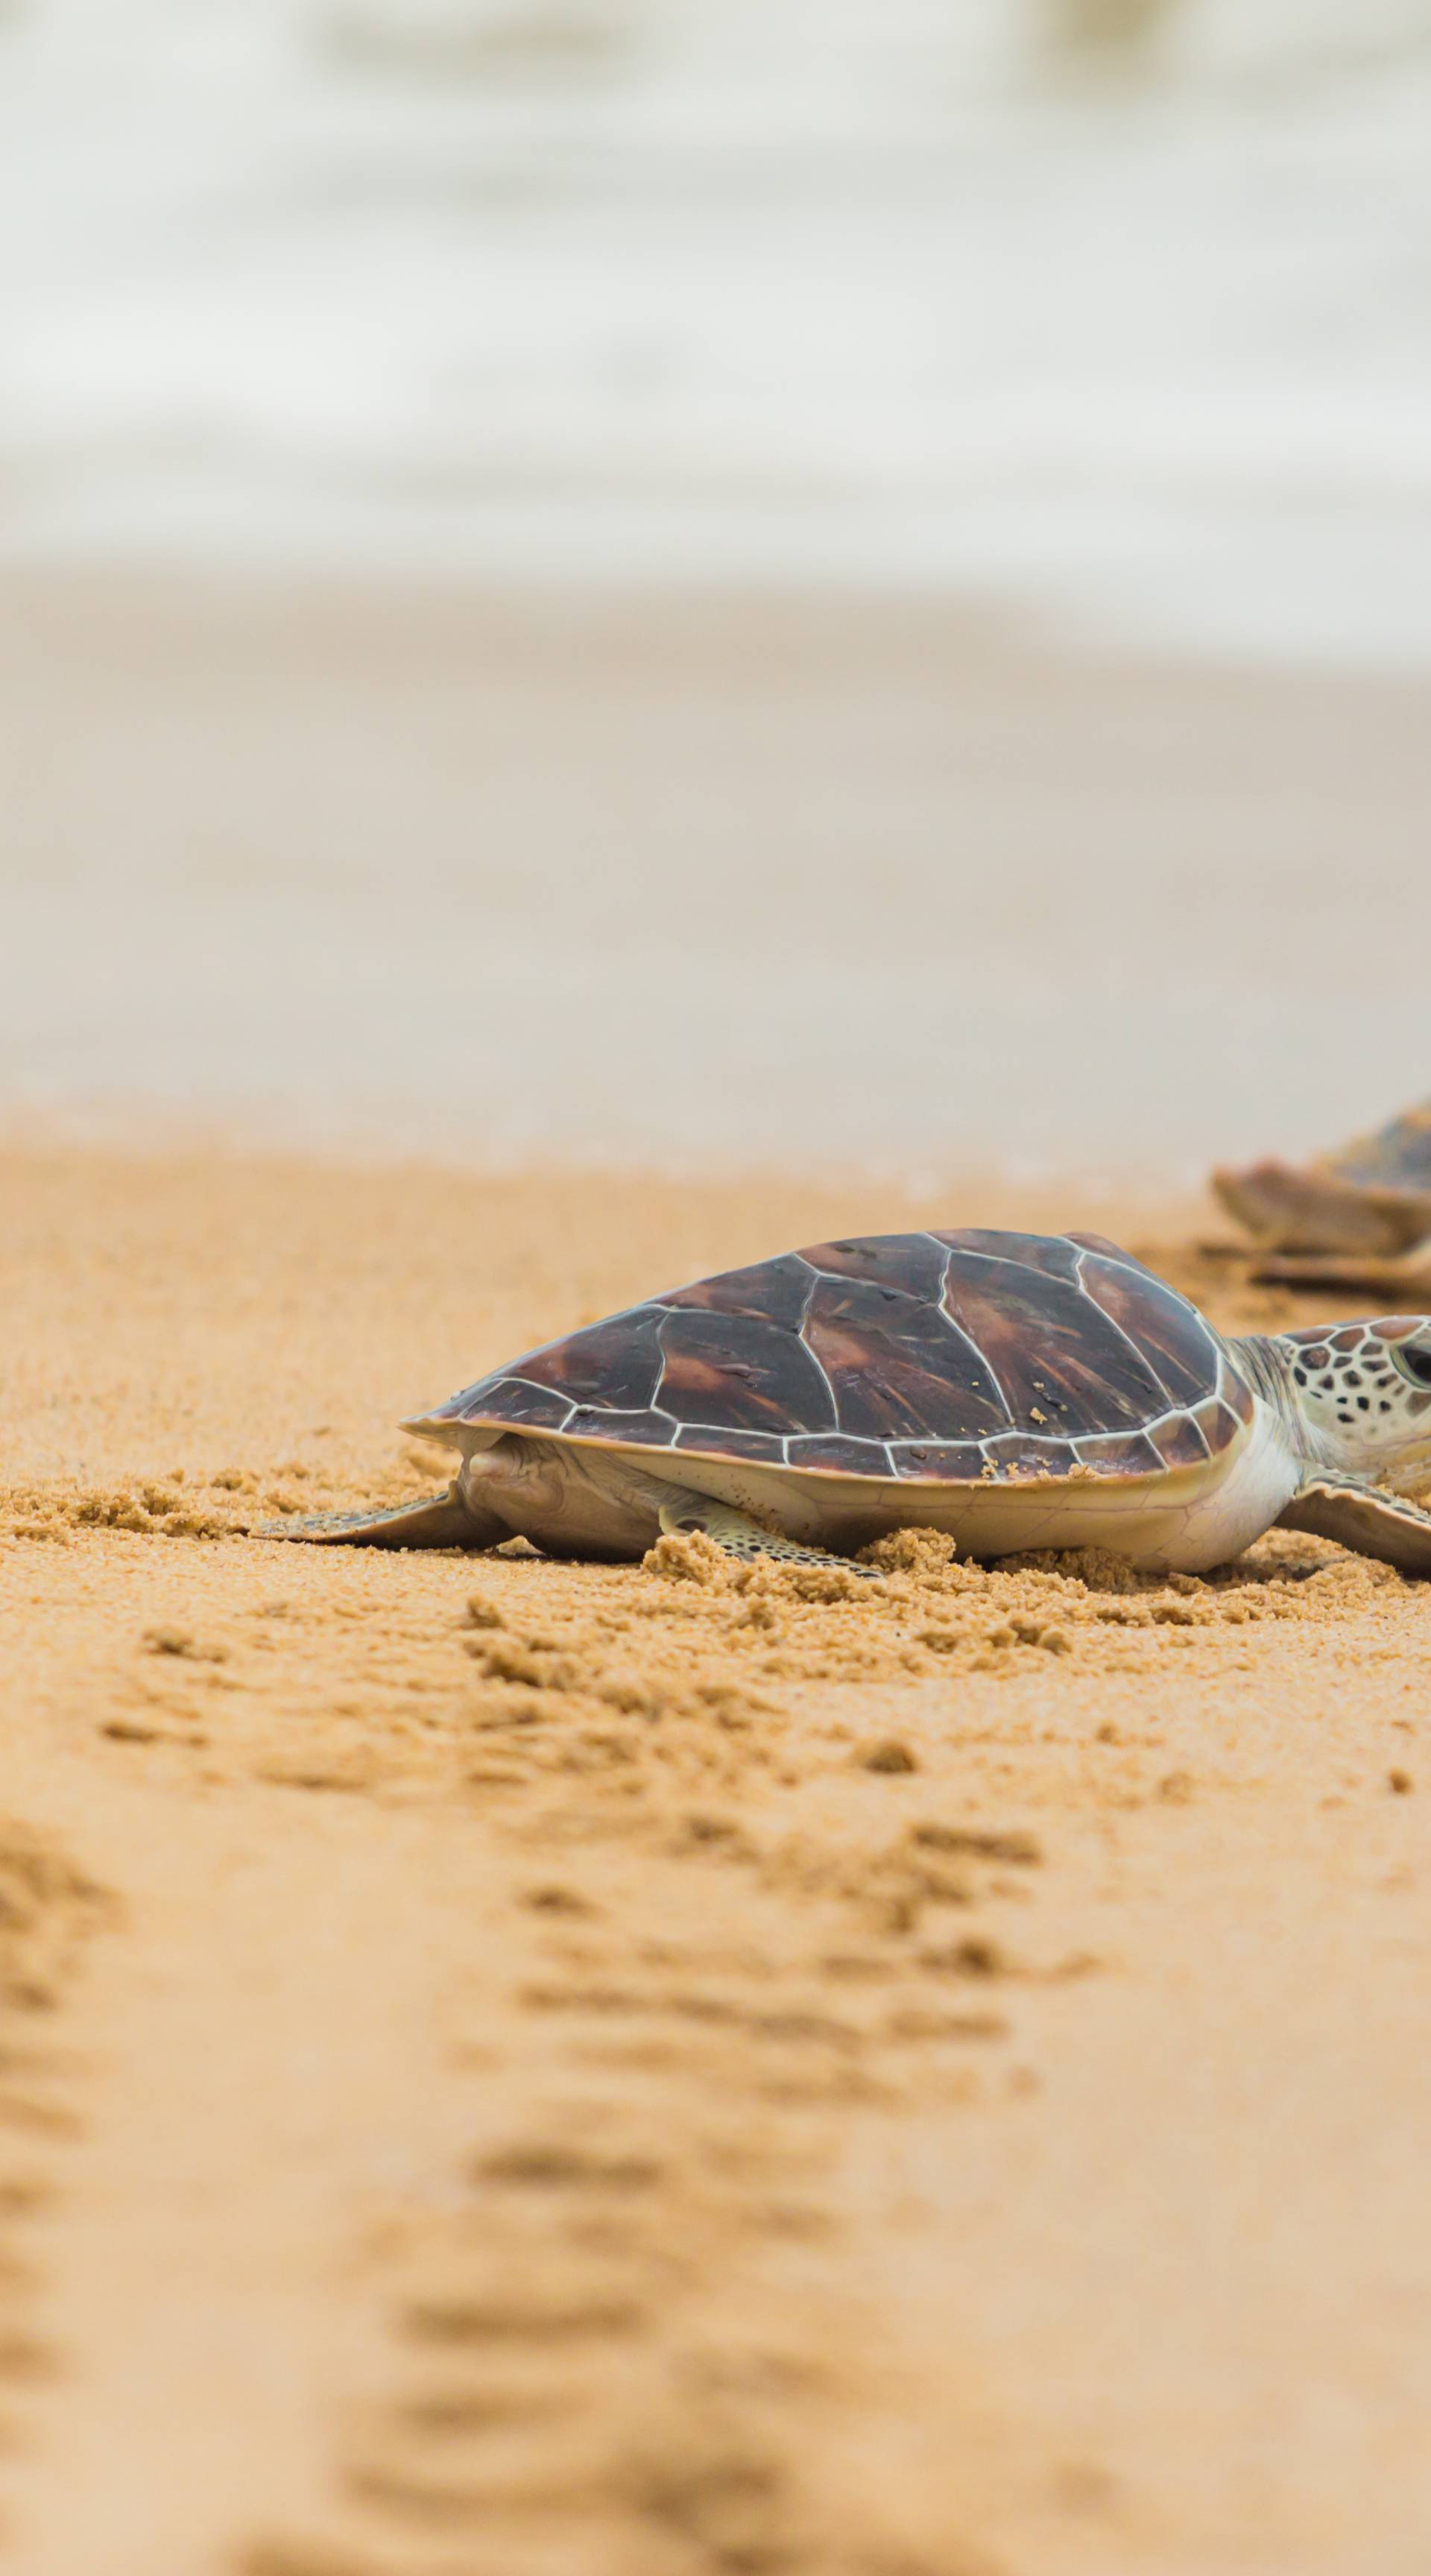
(515, 2069)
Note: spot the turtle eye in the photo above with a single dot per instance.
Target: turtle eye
(1410, 1363)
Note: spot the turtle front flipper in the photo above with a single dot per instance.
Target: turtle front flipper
(434, 1520)
(1363, 1518)
(744, 1539)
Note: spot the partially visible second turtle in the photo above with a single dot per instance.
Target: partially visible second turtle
(1015, 1391)
(1361, 1214)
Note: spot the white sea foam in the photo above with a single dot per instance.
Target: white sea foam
(873, 290)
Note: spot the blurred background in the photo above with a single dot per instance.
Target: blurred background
(717, 581)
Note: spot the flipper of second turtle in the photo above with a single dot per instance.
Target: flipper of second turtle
(737, 1536)
(1363, 1518)
(1318, 1209)
(434, 1520)
(1393, 1274)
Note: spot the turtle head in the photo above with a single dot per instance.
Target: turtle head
(1360, 1395)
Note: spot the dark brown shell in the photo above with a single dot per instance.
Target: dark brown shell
(938, 1358)
(1397, 1157)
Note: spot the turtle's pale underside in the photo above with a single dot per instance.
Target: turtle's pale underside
(1013, 1390)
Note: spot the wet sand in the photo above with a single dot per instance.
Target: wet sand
(528, 2070)
(696, 881)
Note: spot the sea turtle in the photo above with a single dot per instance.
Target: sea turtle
(1014, 1390)
(1361, 1214)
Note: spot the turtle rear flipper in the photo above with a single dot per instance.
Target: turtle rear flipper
(434, 1520)
(735, 1534)
(1363, 1518)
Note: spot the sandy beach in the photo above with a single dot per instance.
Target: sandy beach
(513, 2068)
(628, 641)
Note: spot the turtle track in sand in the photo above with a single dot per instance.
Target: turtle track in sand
(771, 1872)
(620, 2335)
(48, 1911)
(722, 2012)
(684, 2071)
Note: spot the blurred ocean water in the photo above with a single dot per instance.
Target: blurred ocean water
(1117, 308)
(1110, 312)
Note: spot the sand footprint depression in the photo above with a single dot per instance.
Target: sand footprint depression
(48, 1911)
(668, 2070)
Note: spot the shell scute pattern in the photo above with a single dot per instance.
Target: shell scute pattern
(1120, 1453)
(1054, 1256)
(517, 1400)
(937, 1357)
(941, 1462)
(1174, 1342)
(1179, 1442)
(649, 1430)
(898, 1265)
(760, 1448)
(736, 1370)
(840, 1456)
(1218, 1422)
(616, 1363)
(1021, 1453)
(771, 1292)
(1235, 1393)
(893, 1362)
(1052, 1349)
